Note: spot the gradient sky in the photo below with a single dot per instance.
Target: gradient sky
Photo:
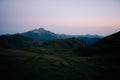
(60, 16)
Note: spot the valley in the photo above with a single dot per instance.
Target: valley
(30, 58)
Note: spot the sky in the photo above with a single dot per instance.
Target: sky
(79, 17)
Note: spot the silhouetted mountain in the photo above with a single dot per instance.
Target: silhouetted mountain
(92, 36)
(112, 41)
(89, 40)
(109, 45)
(45, 35)
(41, 34)
(17, 41)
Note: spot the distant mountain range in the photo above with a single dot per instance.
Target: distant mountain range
(47, 39)
(38, 36)
(45, 35)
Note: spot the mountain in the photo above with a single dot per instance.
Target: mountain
(18, 41)
(36, 37)
(89, 40)
(41, 34)
(45, 35)
(112, 41)
(108, 46)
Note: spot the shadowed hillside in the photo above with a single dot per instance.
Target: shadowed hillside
(111, 41)
(18, 41)
(63, 45)
(108, 46)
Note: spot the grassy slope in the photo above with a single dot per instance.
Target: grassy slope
(63, 45)
(18, 41)
(22, 65)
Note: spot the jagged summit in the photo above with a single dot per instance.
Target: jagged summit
(40, 30)
(41, 34)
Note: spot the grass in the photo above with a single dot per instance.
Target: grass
(23, 65)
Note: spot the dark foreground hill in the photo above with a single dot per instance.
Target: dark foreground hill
(18, 41)
(110, 44)
(107, 46)
(111, 41)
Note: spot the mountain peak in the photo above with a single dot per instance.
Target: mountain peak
(40, 30)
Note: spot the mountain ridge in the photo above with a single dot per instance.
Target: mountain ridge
(46, 35)
(107, 46)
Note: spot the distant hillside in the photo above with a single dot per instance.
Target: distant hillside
(17, 41)
(89, 40)
(63, 44)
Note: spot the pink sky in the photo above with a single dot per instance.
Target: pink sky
(61, 16)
